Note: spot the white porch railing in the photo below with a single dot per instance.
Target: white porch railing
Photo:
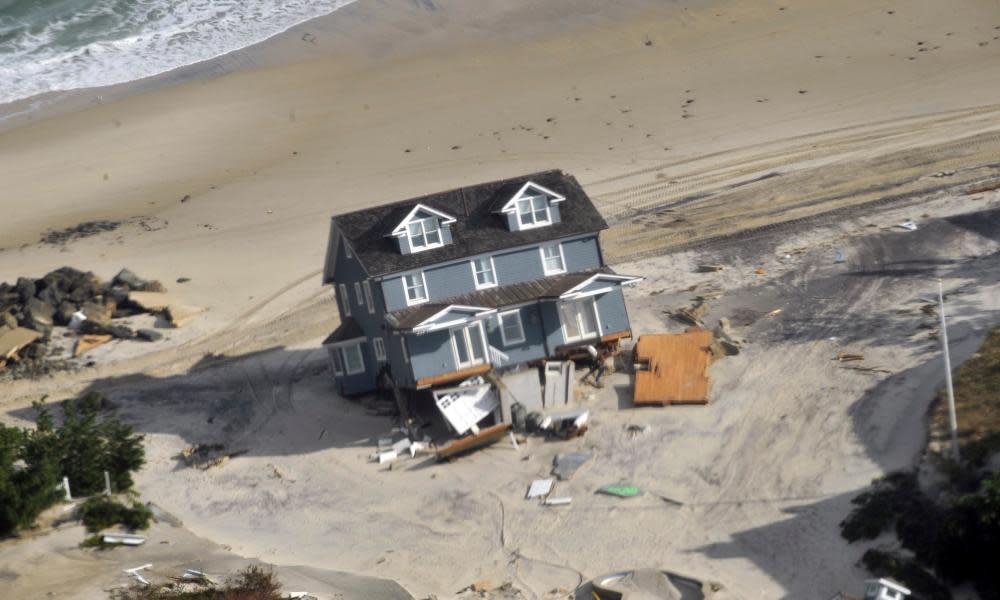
(497, 357)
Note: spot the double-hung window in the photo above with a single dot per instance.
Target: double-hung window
(511, 327)
(533, 211)
(379, 345)
(579, 319)
(468, 343)
(368, 298)
(416, 288)
(347, 359)
(353, 361)
(424, 233)
(552, 259)
(357, 293)
(484, 273)
(345, 300)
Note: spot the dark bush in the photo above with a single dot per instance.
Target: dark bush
(101, 512)
(877, 509)
(89, 447)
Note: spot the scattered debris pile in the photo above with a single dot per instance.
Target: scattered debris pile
(31, 309)
(652, 583)
(206, 456)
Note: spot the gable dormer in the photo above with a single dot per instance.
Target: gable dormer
(531, 206)
(423, 228)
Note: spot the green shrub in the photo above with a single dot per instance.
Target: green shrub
(29, 473)
(89, 446)
(101, 512)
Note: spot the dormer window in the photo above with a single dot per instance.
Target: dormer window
(424, 234)
(421, 229)
(533, 211)
(531, 206)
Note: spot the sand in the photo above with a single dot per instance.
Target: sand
(227, 173)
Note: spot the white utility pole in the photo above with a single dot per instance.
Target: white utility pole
(952, 419)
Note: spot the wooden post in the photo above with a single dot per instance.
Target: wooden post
(107, 484)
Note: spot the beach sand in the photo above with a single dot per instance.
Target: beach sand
(227, 173)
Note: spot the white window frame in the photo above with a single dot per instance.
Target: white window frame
(475, 273)
(472, 362)
(406, 289)
(379, 345)
(406, 351)
(435, 227)
(520, 326)
(592, 302)
(338, 361)
(368, 297)
(361, 358)
(357, 293)
(562, 259)
(345, 299)
(532, 211)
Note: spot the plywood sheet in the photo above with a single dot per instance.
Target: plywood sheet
(677, 368)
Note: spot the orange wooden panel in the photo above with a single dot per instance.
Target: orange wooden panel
(454, 375)
(678, 368)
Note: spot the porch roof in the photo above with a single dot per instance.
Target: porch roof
(551, 287)
(349, 329)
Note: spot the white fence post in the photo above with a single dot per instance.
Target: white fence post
(65, 484)
(107, 484)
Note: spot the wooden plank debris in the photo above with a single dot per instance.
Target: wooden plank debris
(13, 340)
(124, 539)
(539, 488)
(673, 368)
(86, 343)
(469, 443)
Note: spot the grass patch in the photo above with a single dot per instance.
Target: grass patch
(101, 512)
(977, 404)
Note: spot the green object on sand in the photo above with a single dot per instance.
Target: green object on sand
(622, 490)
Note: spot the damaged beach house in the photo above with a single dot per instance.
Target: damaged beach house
(472, 300)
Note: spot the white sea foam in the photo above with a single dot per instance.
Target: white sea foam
(103, 42)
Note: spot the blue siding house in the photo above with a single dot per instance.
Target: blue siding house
(443, 287)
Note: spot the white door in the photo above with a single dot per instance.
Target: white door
(469, 345)
(579, 319)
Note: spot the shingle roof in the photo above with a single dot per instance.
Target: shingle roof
(349, 329)
(477, 228)
(497, 297)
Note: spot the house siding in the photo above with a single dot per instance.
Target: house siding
(431, 354)
(525, 264)
(612, 312)
(533, 346)
(359, 383)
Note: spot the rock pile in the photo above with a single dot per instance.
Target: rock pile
(68, 297)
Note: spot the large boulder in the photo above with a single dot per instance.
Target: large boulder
(38, 315)
(64, 313)
(98, 313)
(25, 288)
(149, 335)
(128, 279)
(121, 332)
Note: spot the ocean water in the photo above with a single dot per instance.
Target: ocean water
(50, 45)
